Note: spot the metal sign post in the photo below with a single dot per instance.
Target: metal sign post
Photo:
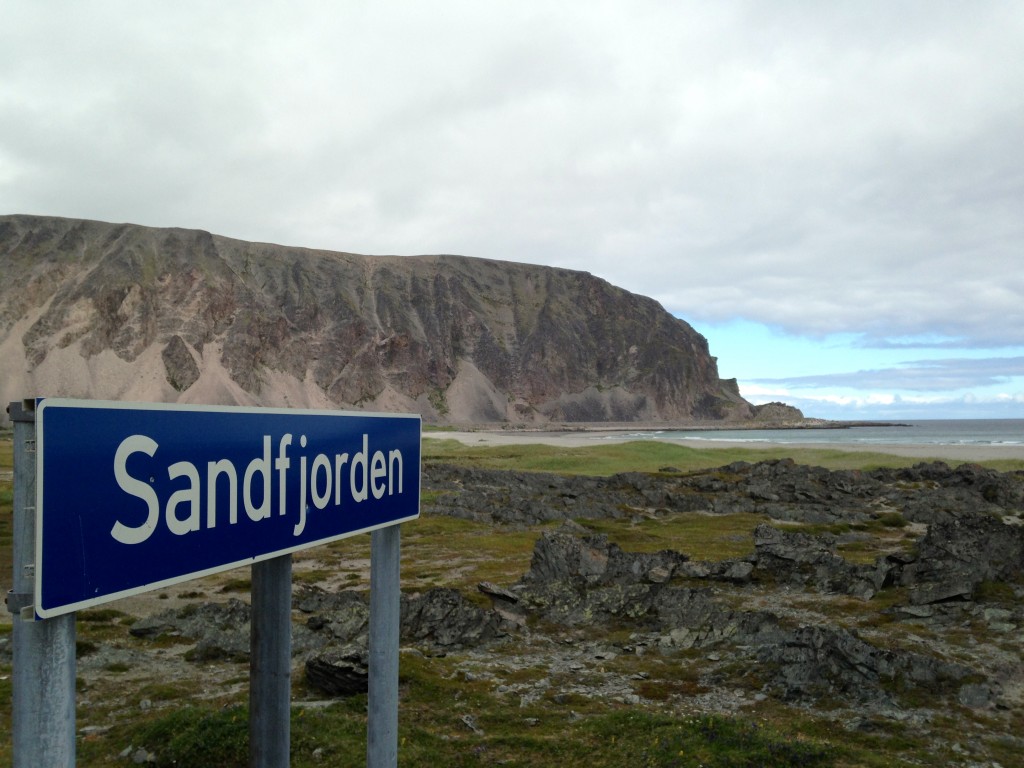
(382, 705)
(270, 663)
(43, 717)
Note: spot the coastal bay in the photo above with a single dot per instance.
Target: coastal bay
(756, 440)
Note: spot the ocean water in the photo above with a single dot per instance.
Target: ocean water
(980, 432)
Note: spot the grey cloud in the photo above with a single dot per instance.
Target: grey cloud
(829, 168)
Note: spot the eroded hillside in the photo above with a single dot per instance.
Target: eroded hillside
(118, 311)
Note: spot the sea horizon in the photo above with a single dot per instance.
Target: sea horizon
(963, 432)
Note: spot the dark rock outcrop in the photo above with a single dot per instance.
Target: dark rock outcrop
(569, 583)
(340, 671)
(781, 490)
(778, 413)
(594, 560)
(800, 558)
(957, 555)
(935, 492)
(815, 662)
(221, 630)
(182, 369)
(445, 618)
(438, 619)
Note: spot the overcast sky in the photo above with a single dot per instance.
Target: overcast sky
(833, 193)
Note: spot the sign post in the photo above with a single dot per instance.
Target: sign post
(43, 695)
(385, 609)
(270, 663)
(130, 498)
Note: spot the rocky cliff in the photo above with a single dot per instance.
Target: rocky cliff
(118, 311)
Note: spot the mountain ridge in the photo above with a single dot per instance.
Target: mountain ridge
(122, 311)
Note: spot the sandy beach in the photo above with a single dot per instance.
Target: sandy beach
(951, 453)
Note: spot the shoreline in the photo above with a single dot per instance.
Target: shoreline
(586, 427)
(578, 438)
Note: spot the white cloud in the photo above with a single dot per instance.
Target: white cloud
(937, 375)
(823, 169)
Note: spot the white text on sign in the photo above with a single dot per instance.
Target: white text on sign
(320, 481)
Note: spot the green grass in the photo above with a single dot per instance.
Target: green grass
(313, 576)
(436, 706)
(6, 690)
(100, 615)
(197, 736)
(239, 584)
(709, 740)
(6, 452)
(652, 455)
(442, 551)
(702, 537)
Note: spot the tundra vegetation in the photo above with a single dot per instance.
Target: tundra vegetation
(580, 684)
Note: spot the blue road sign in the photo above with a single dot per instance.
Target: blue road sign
(132, 497)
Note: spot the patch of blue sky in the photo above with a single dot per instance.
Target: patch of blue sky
(846, 376)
